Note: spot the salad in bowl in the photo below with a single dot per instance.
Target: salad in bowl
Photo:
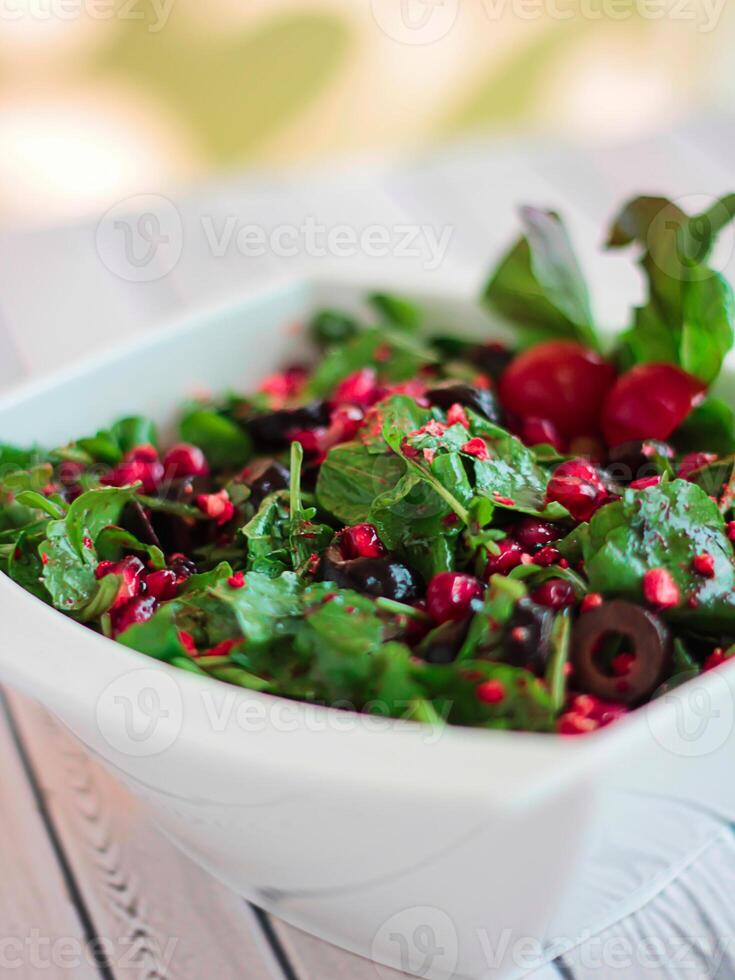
(534, 534)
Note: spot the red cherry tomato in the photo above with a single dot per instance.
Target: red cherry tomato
(649, 402)
(560, 381)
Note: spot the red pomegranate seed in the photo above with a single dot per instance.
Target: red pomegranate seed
(185, 460)
(221, 649)
(476, 447)
(449, 595)
(490, 692)
(577, 485)
(531, 533)
(622, 664)
(162, 584)
(546, 556)
(140, 465)
(715, 659)
(457, 415)
(236, 581)
(130, 569)
(694, 461)
(660, 589)
(511, 555)
(645, 482)
(537, 432)
(360, 388)
(283, 385)
(216, 506)
(187, 642)
(572, 723)
(554, 593)
(136, 611)
(588, 713)
(704, 564)
(591, 601)
(649, 402)
(561, 382)
(361, 541)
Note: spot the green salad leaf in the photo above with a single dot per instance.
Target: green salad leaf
(688, 319)
(539, 286)
(665, 526)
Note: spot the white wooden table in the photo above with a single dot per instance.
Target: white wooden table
(88, 887)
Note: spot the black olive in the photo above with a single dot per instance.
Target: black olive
(177, 533)
(492, 359)
(478, 399)
(528, 636)
(182, 566)
(270, 430)
(647, 637)
(371, 576)
(442, 645)
(265, 477)
(636, 460)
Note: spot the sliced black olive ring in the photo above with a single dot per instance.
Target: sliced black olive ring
(648, 639)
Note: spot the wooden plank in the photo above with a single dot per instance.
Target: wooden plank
(41, 935)
(159, 913)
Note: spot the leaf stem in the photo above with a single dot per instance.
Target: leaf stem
(556, 670)
(297, 458)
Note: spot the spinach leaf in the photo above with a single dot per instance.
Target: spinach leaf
(113, 543)
(68, 552)
(350, 479)
(110, 445)
(225, 444)
(24, 564)
(539, 286)
(689, 317)
(664, 527)
(396, 310)
(330, 327)
(14, 458)
(396, 354)
(710, 427)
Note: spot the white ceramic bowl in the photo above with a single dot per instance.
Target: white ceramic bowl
(460, 854)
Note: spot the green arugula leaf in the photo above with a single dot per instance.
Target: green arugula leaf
(305, 538)
(538, 286)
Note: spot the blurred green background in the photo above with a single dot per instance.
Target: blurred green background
(103, 98)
